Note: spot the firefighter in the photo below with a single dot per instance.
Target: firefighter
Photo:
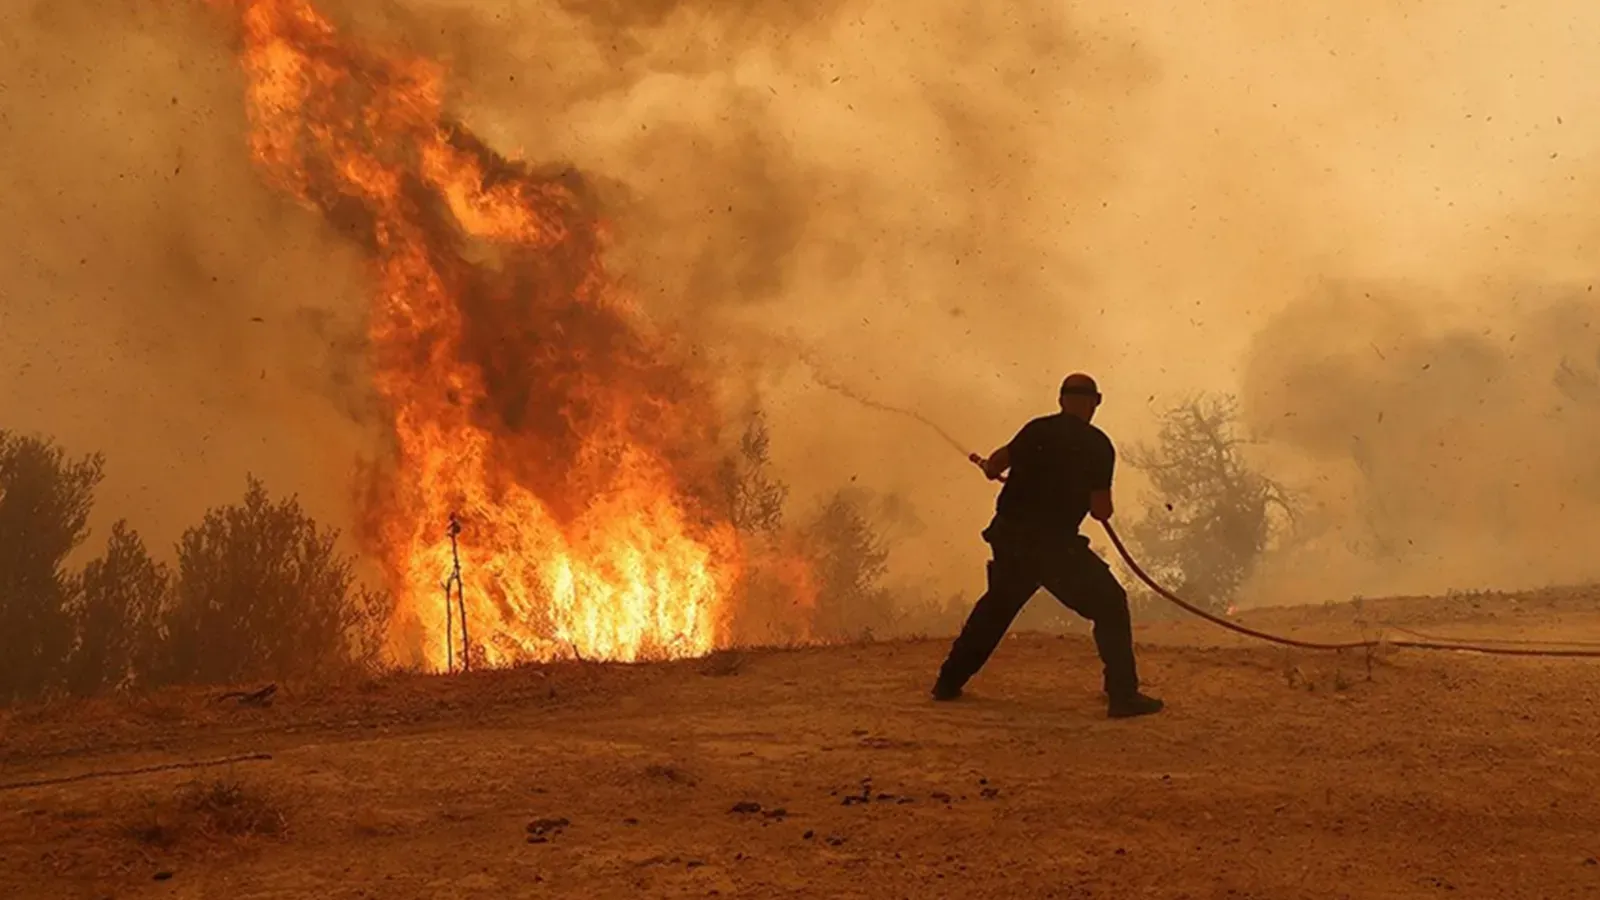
(1060, 469)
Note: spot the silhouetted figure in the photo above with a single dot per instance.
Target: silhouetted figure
(1060, 470)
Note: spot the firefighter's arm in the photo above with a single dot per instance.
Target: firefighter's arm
(997, 463)
(1105, 464)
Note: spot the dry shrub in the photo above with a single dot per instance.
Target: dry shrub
(837, 554)
(850, 559)
(1211, 516)
(773, 586)
(670, 773)
(754, 499)
(722, 663)
(225, 808)
(219, 809)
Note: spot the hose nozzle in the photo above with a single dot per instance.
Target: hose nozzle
(983, 465)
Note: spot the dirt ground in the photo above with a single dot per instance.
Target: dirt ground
(827, 773)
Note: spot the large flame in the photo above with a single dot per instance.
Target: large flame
(526, 395)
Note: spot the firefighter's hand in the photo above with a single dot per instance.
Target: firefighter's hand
(1100, 506)
(986, 465)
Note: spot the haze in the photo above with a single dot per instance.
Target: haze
(1371, 221)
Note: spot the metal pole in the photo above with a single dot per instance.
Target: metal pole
(461, 594)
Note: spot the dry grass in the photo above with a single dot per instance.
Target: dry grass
(670, 773)
(1288, 770)
(722, 663)
(219, 809)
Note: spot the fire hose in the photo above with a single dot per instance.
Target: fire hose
(1199, 612)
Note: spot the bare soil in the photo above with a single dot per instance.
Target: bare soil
(827, 773)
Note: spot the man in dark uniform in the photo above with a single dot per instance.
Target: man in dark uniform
(1060, 470)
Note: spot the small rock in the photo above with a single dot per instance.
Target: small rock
(630, 821)
(542, 828)
(163, 875)
(835, 840)
(778, 813)
(941, 795)
(746, 806)
(538, 839)
(1591, 861)
(808, 835)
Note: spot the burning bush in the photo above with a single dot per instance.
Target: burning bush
(1211, 516)
(260, 590)
(548, 447)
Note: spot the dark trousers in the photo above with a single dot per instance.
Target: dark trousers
(1024, 561)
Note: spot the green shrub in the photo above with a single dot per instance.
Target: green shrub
(262, 592)
(45, 498)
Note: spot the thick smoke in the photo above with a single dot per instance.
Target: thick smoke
(1434, 449)
(944, 206)
(804, 188)
(161, 304)
(826, 183)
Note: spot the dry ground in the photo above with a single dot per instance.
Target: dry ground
(1273, 775)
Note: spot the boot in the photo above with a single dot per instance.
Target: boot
(1133, 705)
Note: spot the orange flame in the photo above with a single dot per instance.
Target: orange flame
(526, 396)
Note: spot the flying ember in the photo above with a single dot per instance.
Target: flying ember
(527, 397)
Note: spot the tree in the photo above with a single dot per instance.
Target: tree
(849, 560)
(755, 499)
(45, 499)
(262, 592)
(116, 615)
(1211, 515)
